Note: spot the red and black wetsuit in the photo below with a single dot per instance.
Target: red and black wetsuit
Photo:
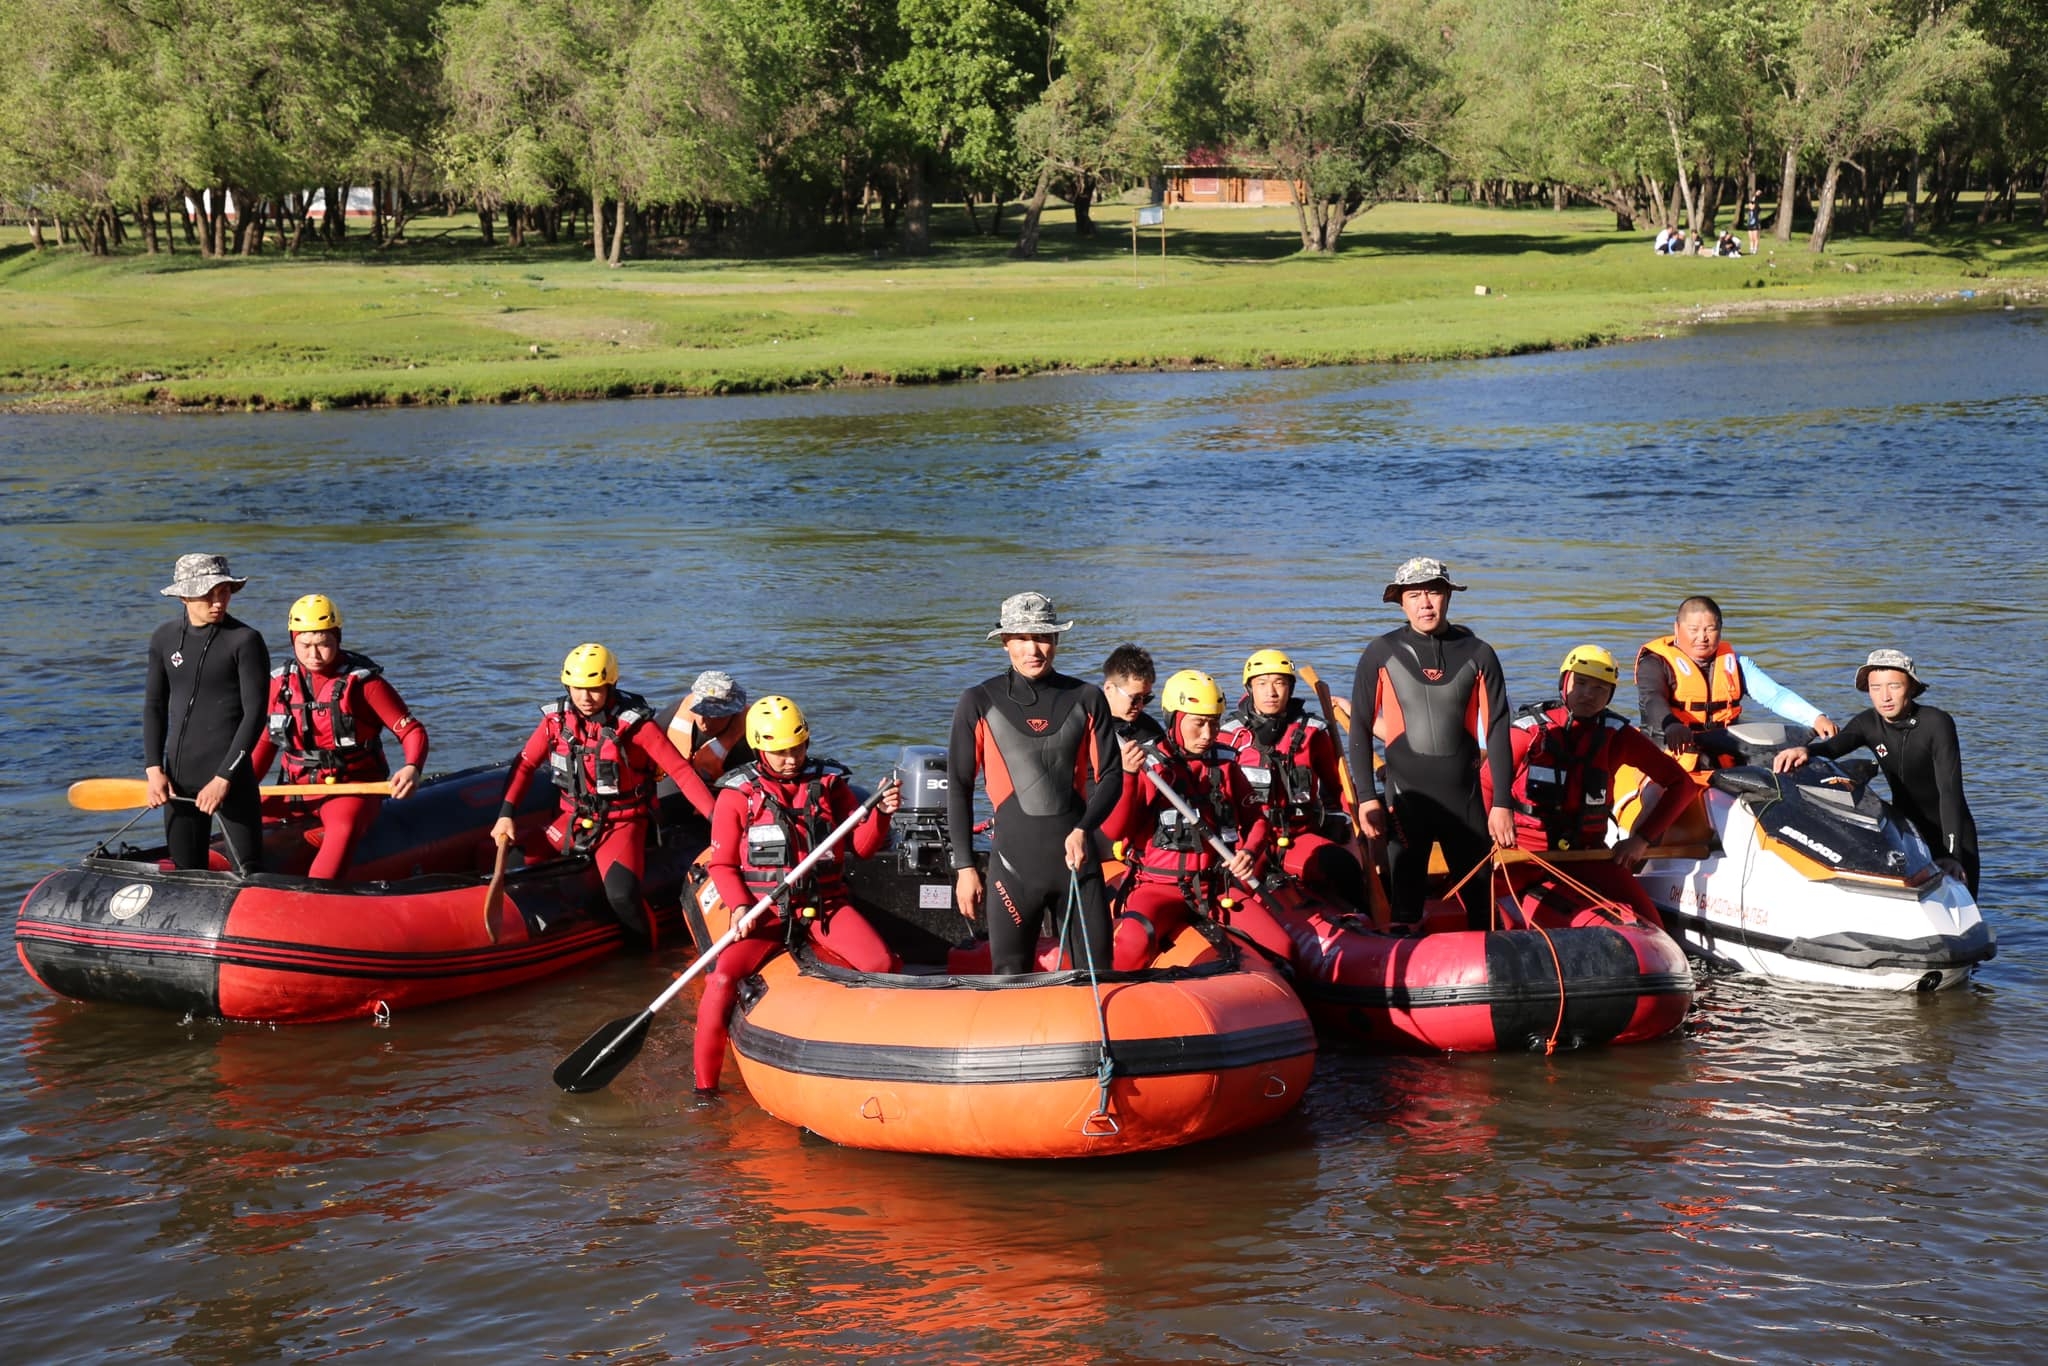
(202, 710)
(330, 728)
(1047, 753)
(1291, 762)
(1563, 797)
(761, 827)
(1439, 707)
(606, 766)
(1173, 868)
(1923, 764)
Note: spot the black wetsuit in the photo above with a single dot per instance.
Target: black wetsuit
(1047, 753)
(204, 705)
(1433, 697)
(1923, 764)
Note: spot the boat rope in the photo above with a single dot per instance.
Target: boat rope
(1605, 906)
(1101, 1124)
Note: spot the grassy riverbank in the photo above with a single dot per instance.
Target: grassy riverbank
(445, 320)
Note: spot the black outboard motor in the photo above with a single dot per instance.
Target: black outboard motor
(906, 891)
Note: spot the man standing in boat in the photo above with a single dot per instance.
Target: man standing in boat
(1916, 747)
(1432, 694)
(327, 714)
(1127, 678)
(1566, 755)
(605, 754)
(1044, 746)
(1691, 685)
(202, 711)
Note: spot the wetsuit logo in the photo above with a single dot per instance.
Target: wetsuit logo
(1882, 751)
(1037, 724)
(177, 658)
(1433, 675)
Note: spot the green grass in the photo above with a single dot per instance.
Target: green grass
(445, 320)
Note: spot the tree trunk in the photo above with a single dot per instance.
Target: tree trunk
(302, 219)
(145, 218)
(1560, 198)
(1788, 191)
(997, 202)
(1084, 206)
(284, 239)
(515, 225)
(1027, 239)
(377, 207)
(35, 229)
(1909, 223)
(1692, 218)
(596, 225)
(917, 211)
(1710, 200)
(334, 221)
(1824, 211)
(973, 219)
(619, 211)
(483, 223)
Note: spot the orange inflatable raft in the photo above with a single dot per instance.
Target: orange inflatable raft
(1206, 1042)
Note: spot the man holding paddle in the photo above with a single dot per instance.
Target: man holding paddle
(328, 711)
(202, 710)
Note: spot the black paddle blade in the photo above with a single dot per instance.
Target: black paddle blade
(604, 1054)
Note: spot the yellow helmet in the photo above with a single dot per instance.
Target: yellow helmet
(776, 723)
(590, 666)
(314, 612)
(1590, 661)
(1191, 690)
(1268, 662)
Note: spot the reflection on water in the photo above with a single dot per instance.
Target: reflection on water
(1799, 1176)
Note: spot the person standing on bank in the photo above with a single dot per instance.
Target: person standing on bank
(1916, 747)
(326, 717)
(1044, 745)
(202, 711)
(605, 755)
(1432, 694)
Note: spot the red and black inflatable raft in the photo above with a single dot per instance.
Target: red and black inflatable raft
(405, 930)
(1557, 978)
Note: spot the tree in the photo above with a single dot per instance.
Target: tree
(1349, 99)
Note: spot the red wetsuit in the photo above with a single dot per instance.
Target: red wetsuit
(330, 728)
(1563, 796)
(762, 827)
(1173, 864)
(1291, 762)
(607, 766)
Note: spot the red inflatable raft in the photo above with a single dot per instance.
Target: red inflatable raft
(1594, 975)
(409, 931)
(1203, 1044)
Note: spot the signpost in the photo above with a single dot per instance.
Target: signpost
(1146, 217)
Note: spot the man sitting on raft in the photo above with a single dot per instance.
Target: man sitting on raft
(329, 708)
(707, 728)
(1044, 746)
(768, 817)
(1566, 755)
(1291, 762)
(1691, 684)
(1174, 872)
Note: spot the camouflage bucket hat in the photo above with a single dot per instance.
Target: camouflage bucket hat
(1029, 614)
(1420, 572)
(1890, 659)
(717, 695)
(198, 575)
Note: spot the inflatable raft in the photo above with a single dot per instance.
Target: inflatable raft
(406, 930)
(1551, 980)
(1203, 1044)
(1807, 876)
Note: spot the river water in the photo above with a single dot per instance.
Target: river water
(1797, 1177)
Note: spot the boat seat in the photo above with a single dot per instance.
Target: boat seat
(1747, 780)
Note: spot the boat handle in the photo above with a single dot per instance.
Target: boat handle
(1276, 1087)
(873, 1108)
(1101, 1124)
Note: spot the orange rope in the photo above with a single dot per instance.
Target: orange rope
(1596, 902)
(1500, 871)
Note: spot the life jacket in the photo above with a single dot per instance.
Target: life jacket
(317, 737)
(1564, 782)
(1281, 775)
(779, 835)
(601, 778)
(1700, 697)
(1178, 851)
(710, 757)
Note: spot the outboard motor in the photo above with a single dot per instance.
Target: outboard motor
(906, 891)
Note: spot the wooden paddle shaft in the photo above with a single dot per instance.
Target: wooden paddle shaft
(125, 794)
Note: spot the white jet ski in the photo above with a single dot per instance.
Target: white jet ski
(1808, 876)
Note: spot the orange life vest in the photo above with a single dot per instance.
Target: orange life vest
(1700, 697)
(709, 758)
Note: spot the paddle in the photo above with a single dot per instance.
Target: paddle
(605, 1053)
(494, 895)
(1375, 890)
(125, 794)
